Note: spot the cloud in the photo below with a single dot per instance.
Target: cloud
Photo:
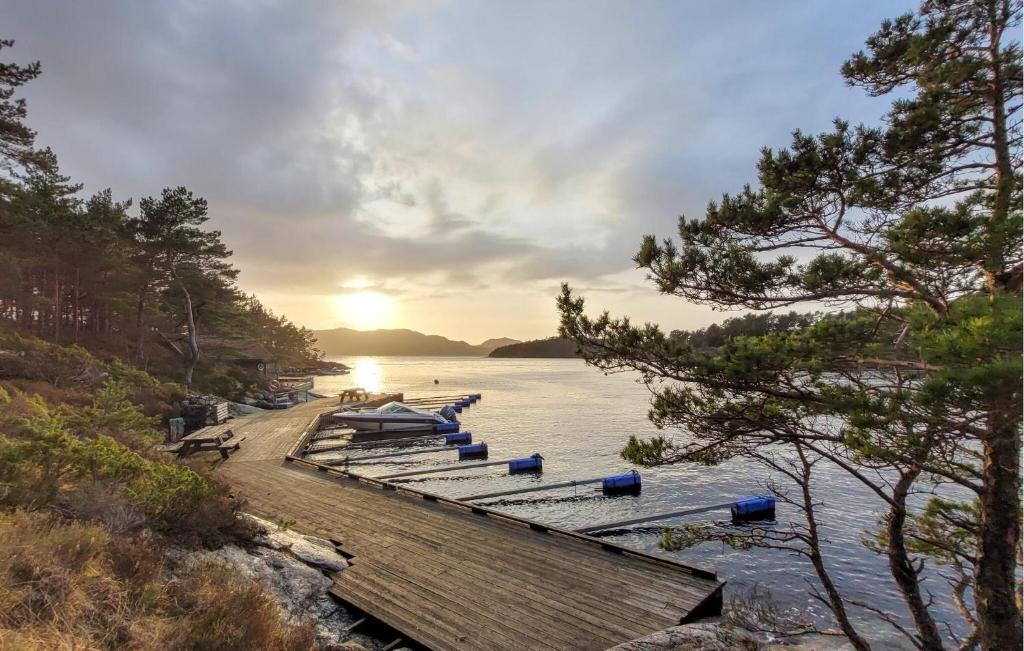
(434, 147)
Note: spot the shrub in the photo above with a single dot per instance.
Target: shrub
(227, 611)
(45, 464)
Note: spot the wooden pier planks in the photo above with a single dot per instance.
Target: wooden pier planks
(452, 579)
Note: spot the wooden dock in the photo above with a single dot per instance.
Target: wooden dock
(455, 576)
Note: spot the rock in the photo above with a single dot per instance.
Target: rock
(309, 549)
(300, 590)
(694, 637)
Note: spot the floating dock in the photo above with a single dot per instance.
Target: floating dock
(453, 575)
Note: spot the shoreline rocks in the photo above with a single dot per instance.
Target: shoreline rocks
(295, 569)
(701, 636)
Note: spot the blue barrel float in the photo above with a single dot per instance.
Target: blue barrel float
(754, 508)
(625, 484)
(457, 407)
(528, 464)
(459, 437)
(473, 451)
(447, 412)
(446, 428)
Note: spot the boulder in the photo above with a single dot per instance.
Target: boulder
(311, 550)
(694, 637)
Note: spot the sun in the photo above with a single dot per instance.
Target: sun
(365, 310)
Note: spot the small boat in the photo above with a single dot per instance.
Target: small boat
(392, 417)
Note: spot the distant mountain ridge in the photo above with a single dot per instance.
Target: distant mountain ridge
(551, 347)
(349, 342)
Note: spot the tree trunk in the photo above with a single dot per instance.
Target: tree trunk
(192, 356)
(835, 599)
(78, 297)
(996, 588)
(140, 332)
(902, 567)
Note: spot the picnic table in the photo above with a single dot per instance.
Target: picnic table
(207, 438)
(356, 393)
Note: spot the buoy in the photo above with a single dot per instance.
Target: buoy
(458, 437)
(448, 413)
(473, 451)
(628, 483)
(457, 407)
(446, 428)
(436, 382)
(528, 464)
(754, 508)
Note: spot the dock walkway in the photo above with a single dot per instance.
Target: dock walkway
(449, 578)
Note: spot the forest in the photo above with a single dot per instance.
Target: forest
(146, 281)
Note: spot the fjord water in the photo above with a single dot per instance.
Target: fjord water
(579, 419)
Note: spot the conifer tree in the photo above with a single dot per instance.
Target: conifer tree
(914, 229)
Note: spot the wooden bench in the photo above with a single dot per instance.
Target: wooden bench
(229, 446)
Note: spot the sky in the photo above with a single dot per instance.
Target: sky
(439, 166)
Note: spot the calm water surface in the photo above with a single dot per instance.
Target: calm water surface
(579, 419)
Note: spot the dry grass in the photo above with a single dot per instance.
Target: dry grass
(68, 585)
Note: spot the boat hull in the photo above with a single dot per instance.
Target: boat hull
(372, 423)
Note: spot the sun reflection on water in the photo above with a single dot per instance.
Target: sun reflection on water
(366, 373)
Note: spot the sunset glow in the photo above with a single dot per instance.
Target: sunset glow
(365, 310)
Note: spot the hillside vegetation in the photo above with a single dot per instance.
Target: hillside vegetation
(87, 508)
(550, 347)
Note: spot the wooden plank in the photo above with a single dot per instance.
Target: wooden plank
(654, 518)
(485, 614)
(427, 471)
(531, 489)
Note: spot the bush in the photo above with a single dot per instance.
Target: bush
(51, 458)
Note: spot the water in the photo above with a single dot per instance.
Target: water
(579, 419)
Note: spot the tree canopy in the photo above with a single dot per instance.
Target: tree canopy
(140, 286)
(913, 228)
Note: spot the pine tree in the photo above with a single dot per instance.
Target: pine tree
(914, 228)
(177, 258)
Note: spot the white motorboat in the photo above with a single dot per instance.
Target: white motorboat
(392, 417)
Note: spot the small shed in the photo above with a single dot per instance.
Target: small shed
(255, 358)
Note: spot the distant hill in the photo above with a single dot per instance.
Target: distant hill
(491, 344)
(345, 341)
(551, 347)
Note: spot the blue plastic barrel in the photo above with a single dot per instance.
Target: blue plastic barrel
(446, 428)
(528, 464)
(628, 483)
(754, 508)
(457, 407)
(473, 451)
(459, 437)
(447, 412)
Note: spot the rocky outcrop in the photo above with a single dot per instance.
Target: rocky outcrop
(694, 637)
(296, 570)
(310, 550)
